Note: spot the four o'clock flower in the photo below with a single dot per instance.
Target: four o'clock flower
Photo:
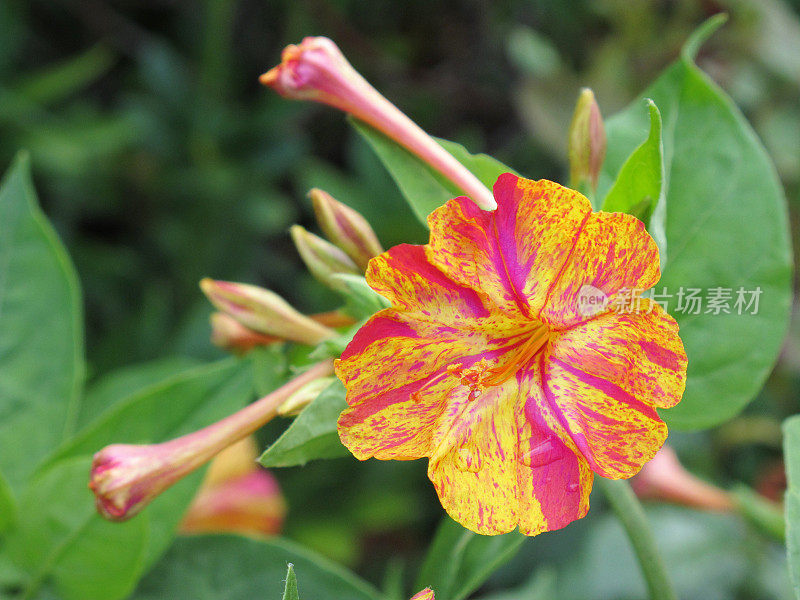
(317, 70)
(488, 364)
(125, 478)
(426, 594)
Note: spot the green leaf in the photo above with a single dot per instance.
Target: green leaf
(120, 384)
(41, 331)
(639, 189)
(791, 453)
(765, 515)
(459, 561)
(726, 227)
(361, 300)
(60, 538)
(290, 590)
(8, 505)
(424, 188)
(162, 411)
(237, 568)
(270, 368)
(313, 433)
(55, 83)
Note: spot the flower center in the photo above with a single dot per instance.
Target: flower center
(481, 374)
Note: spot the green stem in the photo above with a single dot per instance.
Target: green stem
(630, 513)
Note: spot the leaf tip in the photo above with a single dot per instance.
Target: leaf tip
(700, 35)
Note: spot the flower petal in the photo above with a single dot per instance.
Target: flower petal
(500, 460)
(605, 378)
(473, 461)
(613, 252)
(554, 479)
(513, 255)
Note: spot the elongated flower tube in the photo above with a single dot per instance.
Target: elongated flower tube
(295, 403)
(489, 363)
(264, 311)
(346, 228)
(426, 594)
(125, 478)
(237, 496)
(317, 70)
(665, 479)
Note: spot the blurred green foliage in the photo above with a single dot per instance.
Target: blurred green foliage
(160, 160)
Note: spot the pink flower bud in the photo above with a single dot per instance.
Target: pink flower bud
(125, 478)
(426, 594)
(346, 228)
(665, 479)
(587, 142)
(264, 311)
(227, 333)
(317, 70)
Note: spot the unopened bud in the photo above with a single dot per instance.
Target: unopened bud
(322, 258)
(317, 70)
(346, 228)
(237, 496)
(125, 478)
(665, 479)
(304, 396)
(426, 594)
(587, 142)
(264, 311)
(227, 333)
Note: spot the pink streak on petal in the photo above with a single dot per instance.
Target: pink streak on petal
(610, 389)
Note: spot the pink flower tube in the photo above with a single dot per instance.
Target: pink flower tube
(125, 478)
(317, 70)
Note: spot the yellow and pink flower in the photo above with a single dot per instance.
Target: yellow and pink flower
(487, 364)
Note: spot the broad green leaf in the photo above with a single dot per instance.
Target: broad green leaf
(726, 227)
(459, 561)
(120, 384)
(8, 505)
(542, 586)
(161, 411)
(313, 433)
(290, 589)
(270, 368)
(424, 188)
(791, 455)
(638, 189)
(41, 331)
(59, 538)
(237, 568)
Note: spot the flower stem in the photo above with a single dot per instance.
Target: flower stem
(630, 513)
